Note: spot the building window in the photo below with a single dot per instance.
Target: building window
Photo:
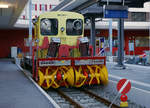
(40, 7)
(50, 6)
(53, 6)
(138, 16)
(33, 6)
(142, 41)
(24, 17)
(45, 7)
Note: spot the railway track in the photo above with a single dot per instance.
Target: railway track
(78, 98)
(110, 94)
(99, 91)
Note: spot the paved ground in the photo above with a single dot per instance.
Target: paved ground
(16, 91)
(139, 75)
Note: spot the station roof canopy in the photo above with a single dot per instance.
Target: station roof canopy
(95, 7)
(74, 5)
(10, 10)
(129, 3)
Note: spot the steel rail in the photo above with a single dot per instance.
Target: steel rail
(68, 99)
(100, 99)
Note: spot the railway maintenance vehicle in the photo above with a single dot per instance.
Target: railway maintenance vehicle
(61, 55)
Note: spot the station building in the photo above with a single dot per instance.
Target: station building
(38, 7)
(14, 36)
(136, 34)
(136, 31)
(136, 26)
(75, 72)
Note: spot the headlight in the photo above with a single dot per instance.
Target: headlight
(77, 24)
(46, 24)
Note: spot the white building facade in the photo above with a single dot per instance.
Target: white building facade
(38, 7)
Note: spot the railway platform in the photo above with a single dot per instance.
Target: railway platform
(138, 75)
(17, 91)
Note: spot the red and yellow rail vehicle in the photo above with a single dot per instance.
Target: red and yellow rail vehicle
(61, 55)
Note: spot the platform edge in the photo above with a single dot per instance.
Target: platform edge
(39, 88)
